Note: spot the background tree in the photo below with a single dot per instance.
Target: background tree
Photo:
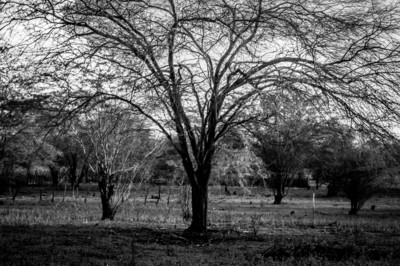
(358, 177)
(235, 164)
(26, 159)
(121, 149)
(21, 137)
(15, 165)
(359, 171)
(284, 142)
(73, 158)
(334, 142)
(166, 164)
(197, 68)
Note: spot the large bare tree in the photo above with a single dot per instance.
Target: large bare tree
(197, 68)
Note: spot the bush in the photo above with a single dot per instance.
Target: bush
(300, 181)
(359, 186)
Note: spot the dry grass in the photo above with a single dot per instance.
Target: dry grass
(244, 230)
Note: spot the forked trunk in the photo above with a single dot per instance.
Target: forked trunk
(199, 209)
(199, 183)
(356, 205)
(106, 193)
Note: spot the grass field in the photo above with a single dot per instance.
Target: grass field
(244, 229)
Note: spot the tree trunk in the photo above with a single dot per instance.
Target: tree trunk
(147, 194)
(356, 205)
(108, 212)
(186, 202)
(278, 186)
(73, 190)
(199, 209)
(353, 208)
(317, 183)
(106, 192)
(65, 192)
(278, 198)
(84, 173)
(87, 195)
(169, 194)
(54, 194)
(15, 193)
(199, 182)
(159, 194)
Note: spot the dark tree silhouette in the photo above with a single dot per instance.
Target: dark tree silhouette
(359, 169)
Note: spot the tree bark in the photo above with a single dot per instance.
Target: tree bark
(199, 209)
(106, 193)
(108, 212)
(199, 183)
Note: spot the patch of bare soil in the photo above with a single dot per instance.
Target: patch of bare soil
(111, 244)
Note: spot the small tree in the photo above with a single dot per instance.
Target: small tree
(348, 163)
(235, 163)
(359, 186)
(72, 157)
(360, 169)
(121, 149)
(284, 141)
(334, 141)
(283, 161)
